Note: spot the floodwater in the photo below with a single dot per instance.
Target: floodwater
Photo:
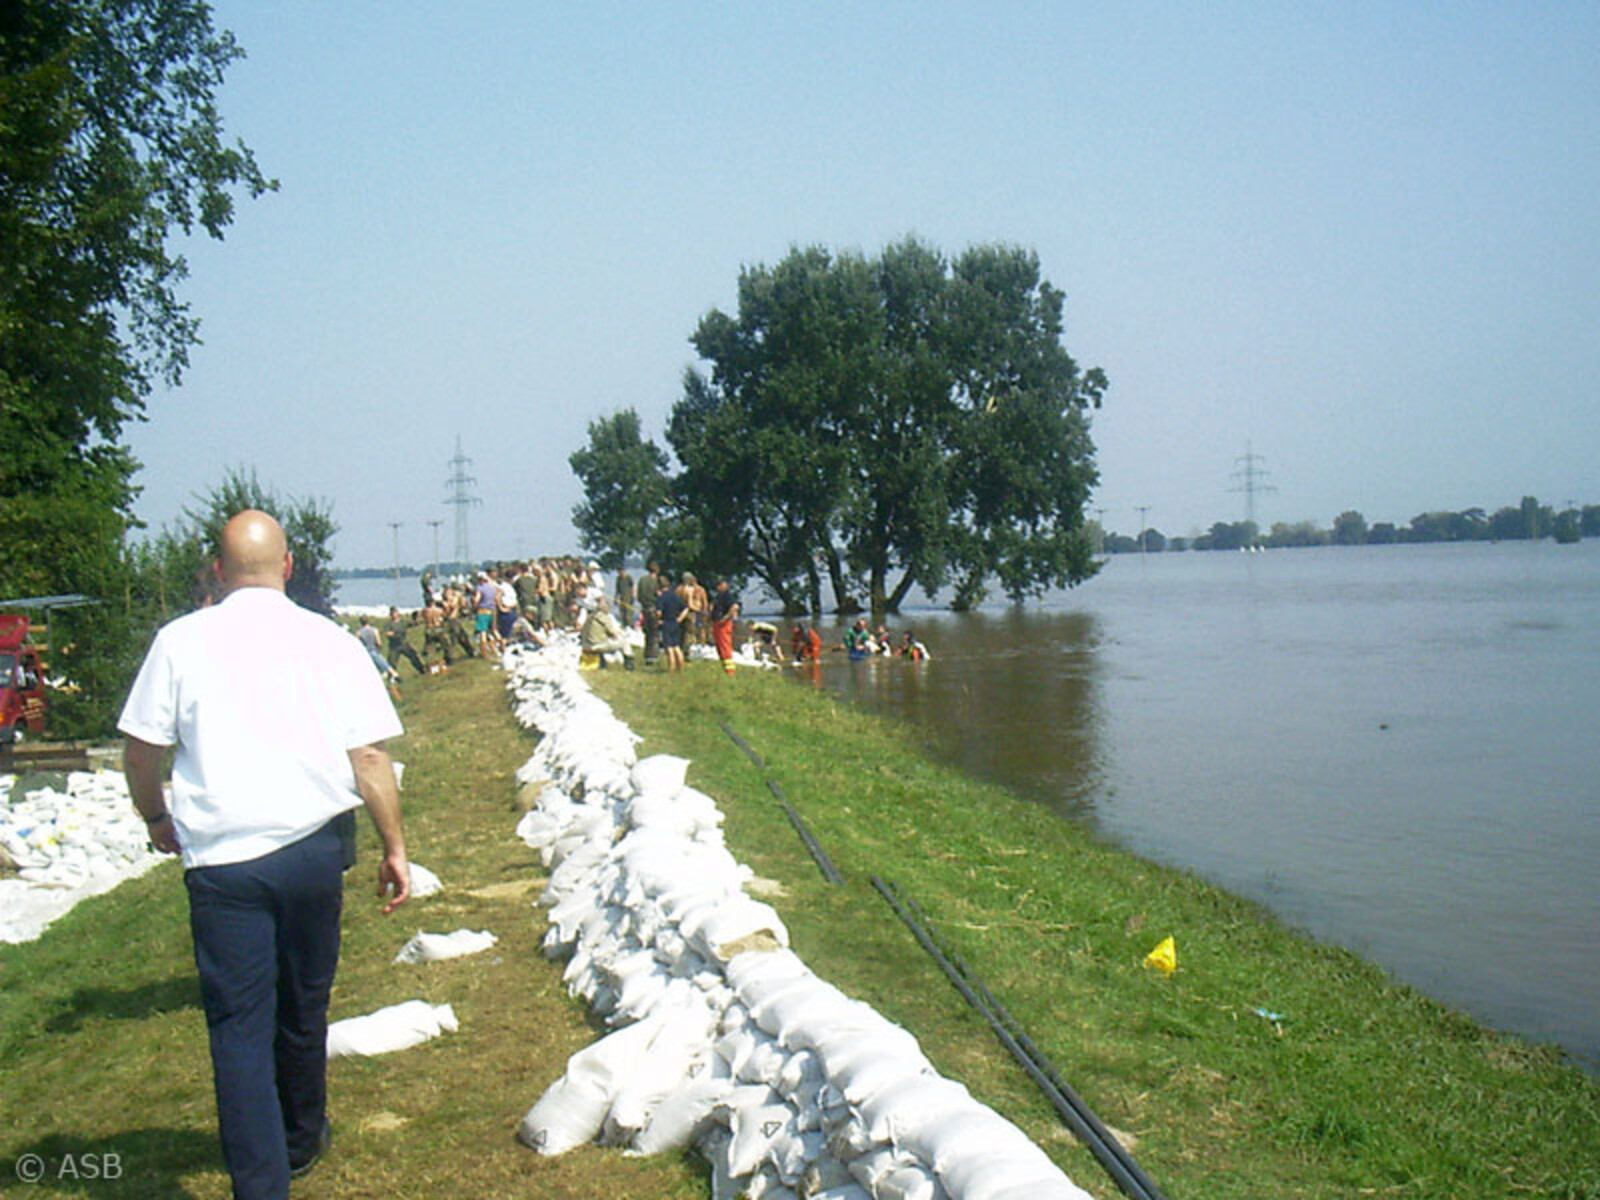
(1392, 747)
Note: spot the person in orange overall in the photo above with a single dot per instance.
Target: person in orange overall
(724, 611)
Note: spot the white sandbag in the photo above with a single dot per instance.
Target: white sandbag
(841, 1191)
(573, 1108)
(569, 1114)
(871, 1166)
(397, 1027)
(910, 1182)
(1060, 1188)
(991, 1174)
(765, 1185)
(756, 1116)
(424, 883)
(678, 1054)
(436, 947)
(863, 1076)
(968, 1134)
(825, 1176)
(713, 1148)
(793, 1150)
(729, 929)
(681, 1117)
(898, 1113)
(660, 774)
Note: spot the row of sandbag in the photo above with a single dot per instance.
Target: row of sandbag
(60, 845)
(723, 1038)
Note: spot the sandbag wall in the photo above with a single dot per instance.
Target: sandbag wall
(58, 846)
(722, 1037)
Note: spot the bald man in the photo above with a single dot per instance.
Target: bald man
(279, 723)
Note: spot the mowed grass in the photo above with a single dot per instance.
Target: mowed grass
(103, 1043)
(1365, 1088)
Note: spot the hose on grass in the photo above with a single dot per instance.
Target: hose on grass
(807, 838)
(1110, 1153)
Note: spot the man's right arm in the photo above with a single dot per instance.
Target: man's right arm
(374, 772)
(141, 764)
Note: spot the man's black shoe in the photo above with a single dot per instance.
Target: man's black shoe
(324, 1140)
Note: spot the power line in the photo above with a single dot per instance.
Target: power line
(434, 524)
(394, 527)
(461, 497)
(1250, 476)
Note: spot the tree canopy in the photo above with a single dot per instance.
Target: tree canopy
(883, 423)
(624, 484)
(111, 147)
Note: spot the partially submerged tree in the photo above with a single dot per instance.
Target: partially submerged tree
(887, 423)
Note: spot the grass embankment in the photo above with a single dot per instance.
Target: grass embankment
(103, 1046)
(1365, 1088)
(1369, 1089)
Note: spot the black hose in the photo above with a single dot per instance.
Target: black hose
(807, 838)
(1068, 1104)
(743, 745)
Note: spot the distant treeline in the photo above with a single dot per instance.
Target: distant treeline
(448, 568)
(1528, 521)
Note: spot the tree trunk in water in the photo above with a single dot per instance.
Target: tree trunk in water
(843, 602)
(880, 601)
(814, 588)
(897, 596)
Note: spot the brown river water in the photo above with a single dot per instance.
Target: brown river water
(1394, 748)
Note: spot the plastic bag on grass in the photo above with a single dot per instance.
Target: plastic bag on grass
(397, 1027)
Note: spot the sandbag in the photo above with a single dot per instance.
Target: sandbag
(569, 1114)
(424, 883)
(435, 947)
(660, 775)
(397, 1027)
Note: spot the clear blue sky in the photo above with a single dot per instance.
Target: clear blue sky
(1363, 237)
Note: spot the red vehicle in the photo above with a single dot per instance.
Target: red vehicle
(21, 681)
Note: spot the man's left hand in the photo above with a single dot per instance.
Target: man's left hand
(164, 835)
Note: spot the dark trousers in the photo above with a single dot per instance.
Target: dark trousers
(400, 648)
(266, 943)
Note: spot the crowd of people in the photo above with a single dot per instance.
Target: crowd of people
(663, 615)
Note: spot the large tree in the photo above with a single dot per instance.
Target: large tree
(890, 422)
(110, 144)
(625, 485)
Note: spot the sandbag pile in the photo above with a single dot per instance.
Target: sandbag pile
(723, 1038)
(58, 847)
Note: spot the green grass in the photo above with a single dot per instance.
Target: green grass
(1367, 1088)
(1370, 1089)
(103, 1045)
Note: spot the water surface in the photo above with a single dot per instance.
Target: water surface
(1393, 748)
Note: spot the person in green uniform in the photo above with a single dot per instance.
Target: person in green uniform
(649, 588)
(624, 593)
(399, 646)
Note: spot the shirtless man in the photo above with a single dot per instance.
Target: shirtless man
(434, 638)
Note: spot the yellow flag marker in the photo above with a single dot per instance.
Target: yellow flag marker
(1164, 957)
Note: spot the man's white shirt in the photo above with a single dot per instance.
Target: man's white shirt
(264, 700)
